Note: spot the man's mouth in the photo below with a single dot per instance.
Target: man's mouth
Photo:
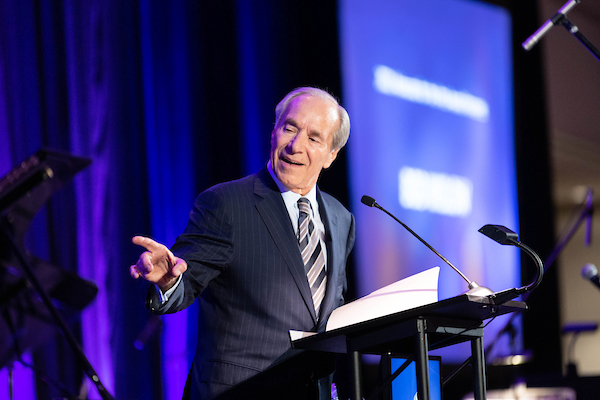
(288, 161)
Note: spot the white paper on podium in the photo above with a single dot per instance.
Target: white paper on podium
(415, 291)
(296, 335)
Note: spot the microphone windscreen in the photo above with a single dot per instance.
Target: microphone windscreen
(589, 271)
(369, 201)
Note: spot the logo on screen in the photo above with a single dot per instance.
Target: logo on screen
(435, 192)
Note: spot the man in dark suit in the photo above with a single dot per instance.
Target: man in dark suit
(263, 255)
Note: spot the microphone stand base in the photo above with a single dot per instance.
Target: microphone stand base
(478, 291)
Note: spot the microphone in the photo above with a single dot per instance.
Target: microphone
(537, 35)
(590, 272)
(474, 288)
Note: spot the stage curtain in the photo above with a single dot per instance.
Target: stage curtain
(166, 99)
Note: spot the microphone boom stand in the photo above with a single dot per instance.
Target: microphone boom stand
(574, 30)
(561, 18)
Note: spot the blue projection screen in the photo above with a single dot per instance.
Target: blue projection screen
(428, 85)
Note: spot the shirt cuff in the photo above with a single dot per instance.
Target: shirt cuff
(164, 297)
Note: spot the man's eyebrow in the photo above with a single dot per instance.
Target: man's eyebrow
(317, 134)
(290, 121)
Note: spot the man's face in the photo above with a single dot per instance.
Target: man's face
(301, 142)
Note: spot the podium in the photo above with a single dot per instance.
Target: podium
(416, 331)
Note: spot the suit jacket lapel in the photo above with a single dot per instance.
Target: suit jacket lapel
(273, 212)
(329, 218)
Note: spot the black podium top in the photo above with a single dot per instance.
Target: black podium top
(449, 321)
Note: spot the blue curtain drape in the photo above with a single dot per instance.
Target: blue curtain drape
(166, 99)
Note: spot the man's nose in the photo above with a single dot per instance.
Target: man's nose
(297, 142)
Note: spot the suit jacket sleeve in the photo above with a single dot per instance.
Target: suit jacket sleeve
(207, 244)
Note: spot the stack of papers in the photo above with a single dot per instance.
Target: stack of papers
(415, 291)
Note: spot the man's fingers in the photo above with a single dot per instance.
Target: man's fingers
(154, 249)
(144, 264)
(171, 257)
(157, 263)
(133, 271)
(145, 258)
(179, 267)
(146, 242)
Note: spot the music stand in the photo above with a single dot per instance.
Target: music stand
(23, 191)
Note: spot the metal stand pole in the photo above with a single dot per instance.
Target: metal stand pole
(422, 361)
(356, 377)
(574, 30)
(478, 368)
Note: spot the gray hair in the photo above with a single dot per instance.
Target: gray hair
(340, 136)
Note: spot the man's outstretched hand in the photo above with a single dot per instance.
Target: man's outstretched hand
(157, 264)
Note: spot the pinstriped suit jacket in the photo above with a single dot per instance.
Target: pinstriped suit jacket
(245, 268)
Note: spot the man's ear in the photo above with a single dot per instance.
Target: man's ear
(332, 157)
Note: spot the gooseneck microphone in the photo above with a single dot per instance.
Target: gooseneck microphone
(590, 272)
(474, 288)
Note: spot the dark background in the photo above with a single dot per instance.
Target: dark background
(168, 98)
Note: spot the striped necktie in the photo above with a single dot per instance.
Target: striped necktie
(311, 247)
